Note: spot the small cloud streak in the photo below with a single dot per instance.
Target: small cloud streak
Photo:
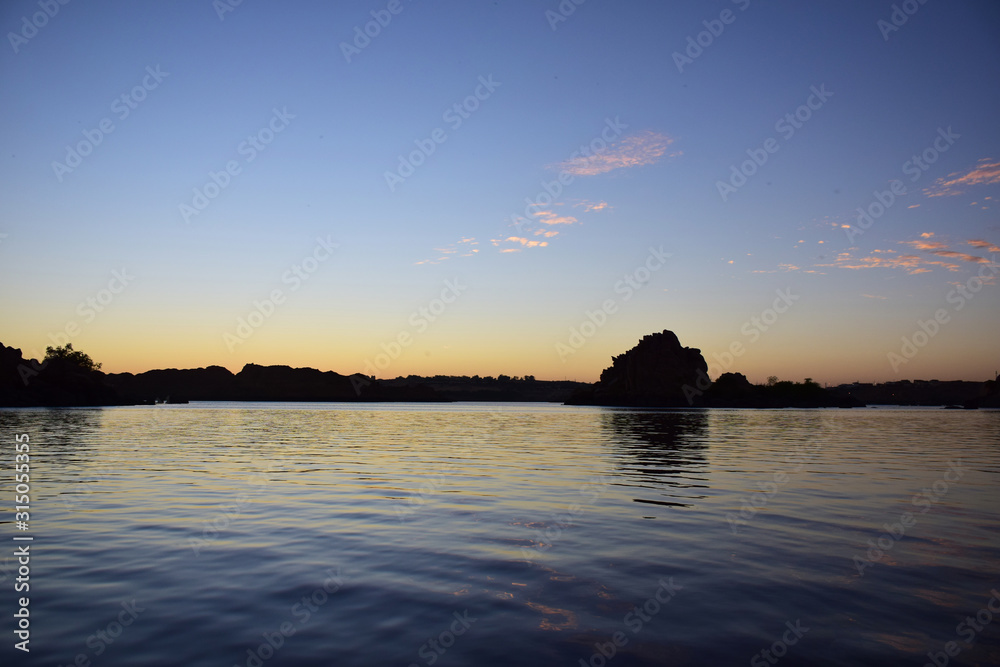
(589, 206)
(915, 264)
(553, 218)
(637, 150)
(519, 240)
(912, 264)
(926, 245)
(461, 248)
(984, 173)
(979, 243)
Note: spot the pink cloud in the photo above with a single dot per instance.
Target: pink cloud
(551, 218)
(977, 243)
(637, 150)
(983, 174)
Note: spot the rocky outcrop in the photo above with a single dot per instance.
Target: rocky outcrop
(654, 373)
(54, 383)
(658, 372)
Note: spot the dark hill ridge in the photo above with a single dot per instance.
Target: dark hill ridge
(260, 383)
(658, 372)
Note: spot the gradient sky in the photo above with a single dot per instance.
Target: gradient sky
(523, 286)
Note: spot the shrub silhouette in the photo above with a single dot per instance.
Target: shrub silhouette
(72, 356)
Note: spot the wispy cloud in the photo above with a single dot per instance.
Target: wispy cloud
(926, 245)
(518, 241)
(914, 264)
(941, 250)
(461, 248)
(553, 218)
(589, 206)
(965, 257)
(784, 268)
(889, 259)
(989, 247)
(984, 173)
(636, 150)
(873, 296)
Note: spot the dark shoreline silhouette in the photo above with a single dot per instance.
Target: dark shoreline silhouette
(658, 372)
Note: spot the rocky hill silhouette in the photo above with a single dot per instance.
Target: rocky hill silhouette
(660, 372)
(654, 373)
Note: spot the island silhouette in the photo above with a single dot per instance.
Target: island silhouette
(657, 373)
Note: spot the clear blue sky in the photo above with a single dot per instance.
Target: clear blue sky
(278, 72)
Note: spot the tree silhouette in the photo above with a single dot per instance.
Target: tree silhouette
(76, 357)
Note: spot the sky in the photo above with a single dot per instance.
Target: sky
(461, 188)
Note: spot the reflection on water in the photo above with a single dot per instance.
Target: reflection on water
(317, 534)
(659, 449)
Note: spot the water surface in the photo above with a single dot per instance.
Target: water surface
(472, 534)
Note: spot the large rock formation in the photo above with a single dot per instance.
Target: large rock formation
(654, 373)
